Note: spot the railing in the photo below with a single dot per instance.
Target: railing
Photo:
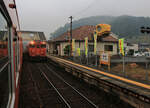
(135, 68)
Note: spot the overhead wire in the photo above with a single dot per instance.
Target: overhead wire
(85, 9)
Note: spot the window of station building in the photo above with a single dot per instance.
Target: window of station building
(4, 83)
(91, 48)
(43, 45)
(108, 47)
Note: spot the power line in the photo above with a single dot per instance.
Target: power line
(85, 9)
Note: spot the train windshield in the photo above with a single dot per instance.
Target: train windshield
(43, 45)
(38, 46)
(32, 46)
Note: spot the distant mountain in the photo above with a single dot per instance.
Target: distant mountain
(124, 26)
(129, 26)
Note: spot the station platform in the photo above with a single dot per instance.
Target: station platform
(135, 93)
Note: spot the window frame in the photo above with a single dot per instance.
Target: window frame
(43, 45)
(31, 45)
(108, 49)
(11, 76)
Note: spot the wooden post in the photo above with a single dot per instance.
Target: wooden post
(100, 59)
(124, 66)
(109, 62)
(146, 72)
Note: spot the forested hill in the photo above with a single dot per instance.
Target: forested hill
(123, 26)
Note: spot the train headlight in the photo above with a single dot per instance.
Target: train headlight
(32, 42)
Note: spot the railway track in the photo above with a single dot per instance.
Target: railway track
(3, 61)
(70, 95)
(36, 92)
(46, 85)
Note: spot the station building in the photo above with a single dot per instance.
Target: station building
(104, 43)
(130, 48)
(144, 46)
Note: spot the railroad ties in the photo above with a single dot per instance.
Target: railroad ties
(46, 85)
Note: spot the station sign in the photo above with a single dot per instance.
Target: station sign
(102, 29)
(121, 46)
(105, 59)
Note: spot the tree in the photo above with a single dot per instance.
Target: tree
(67, 50)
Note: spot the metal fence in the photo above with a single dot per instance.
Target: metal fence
(135, 68)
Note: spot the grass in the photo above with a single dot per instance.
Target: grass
(134, 71)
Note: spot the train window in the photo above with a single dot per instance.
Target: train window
(4, 46)
(4, 83)
(1, 46)
(32, 46)
(43, 45)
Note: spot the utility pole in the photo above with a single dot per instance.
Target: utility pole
(146, 30)
(71, 35)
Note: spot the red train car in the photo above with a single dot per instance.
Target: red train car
(3, 48)
(37, 49)
(10, 55)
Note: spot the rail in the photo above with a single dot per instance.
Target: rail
(61, 95)
(77, 68)
(55, 89)
(36, 89)
(4, 66)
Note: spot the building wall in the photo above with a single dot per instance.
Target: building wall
(143, 46)
(133, 47)
(100, 47)
(63, 45)
(50, 48)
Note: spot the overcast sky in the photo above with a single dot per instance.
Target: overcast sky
(48, 15)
